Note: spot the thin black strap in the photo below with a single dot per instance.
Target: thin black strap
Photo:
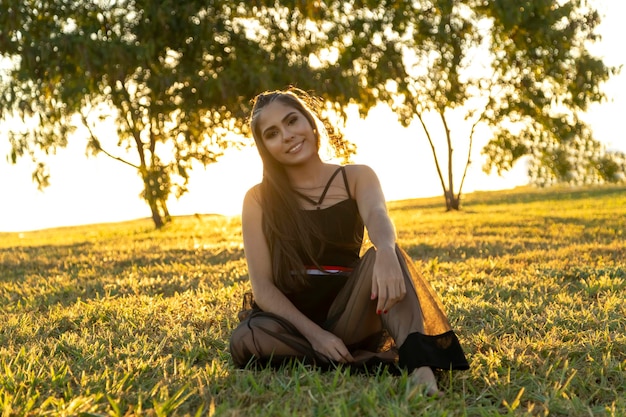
(345, 182)
(332, 177)
(318, 203)
(306, 197)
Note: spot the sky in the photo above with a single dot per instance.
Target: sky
(100, 190)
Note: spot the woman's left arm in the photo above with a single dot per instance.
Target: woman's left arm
(387, 283)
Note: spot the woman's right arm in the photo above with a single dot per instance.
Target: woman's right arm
(267, 296)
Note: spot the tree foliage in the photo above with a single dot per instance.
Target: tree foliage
(175, 78)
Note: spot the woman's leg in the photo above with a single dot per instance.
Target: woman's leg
(267, 338)
(352, 315)
(417, 323)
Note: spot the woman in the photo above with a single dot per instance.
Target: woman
(315, 297)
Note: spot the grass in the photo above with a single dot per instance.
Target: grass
(121, 319)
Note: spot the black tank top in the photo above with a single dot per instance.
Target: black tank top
(341, 228)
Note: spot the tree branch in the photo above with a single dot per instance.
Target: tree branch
(434, 151)
(99, 147)
(132, 125)
(449, 142)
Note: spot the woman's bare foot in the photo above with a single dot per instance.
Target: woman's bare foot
(422, 380)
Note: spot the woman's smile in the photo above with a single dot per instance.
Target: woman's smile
(296, 147)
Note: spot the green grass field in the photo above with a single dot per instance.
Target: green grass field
(121, 319)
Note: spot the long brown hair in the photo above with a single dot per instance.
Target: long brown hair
(287, 230)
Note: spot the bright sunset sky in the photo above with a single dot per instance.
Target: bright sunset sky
(97, 190)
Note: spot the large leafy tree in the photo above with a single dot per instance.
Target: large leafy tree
(175, 78)
(521, 69)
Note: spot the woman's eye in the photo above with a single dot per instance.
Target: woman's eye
(292, 121)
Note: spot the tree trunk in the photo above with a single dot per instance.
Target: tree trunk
(153, 195)
(453, 202)
(156, 215)
(164, 211)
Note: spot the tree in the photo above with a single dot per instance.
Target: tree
(522, 69)
(175, 78)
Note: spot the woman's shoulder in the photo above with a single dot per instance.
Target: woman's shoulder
(251, 210)
(254, 189)
(359, 176)
(358, 170)
(253, 194)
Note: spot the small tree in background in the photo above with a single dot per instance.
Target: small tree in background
(522, 69)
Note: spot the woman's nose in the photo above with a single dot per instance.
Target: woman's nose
(287, 135)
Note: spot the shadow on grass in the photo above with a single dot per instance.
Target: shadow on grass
(545, 233)
(42, 276)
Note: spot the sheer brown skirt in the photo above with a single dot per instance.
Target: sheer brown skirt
(415, 332)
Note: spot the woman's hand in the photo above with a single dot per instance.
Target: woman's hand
(388, 282)
(330, 346)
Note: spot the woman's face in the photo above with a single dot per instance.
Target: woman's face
(286, 133)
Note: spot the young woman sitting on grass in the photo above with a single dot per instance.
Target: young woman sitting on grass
(315, 298)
